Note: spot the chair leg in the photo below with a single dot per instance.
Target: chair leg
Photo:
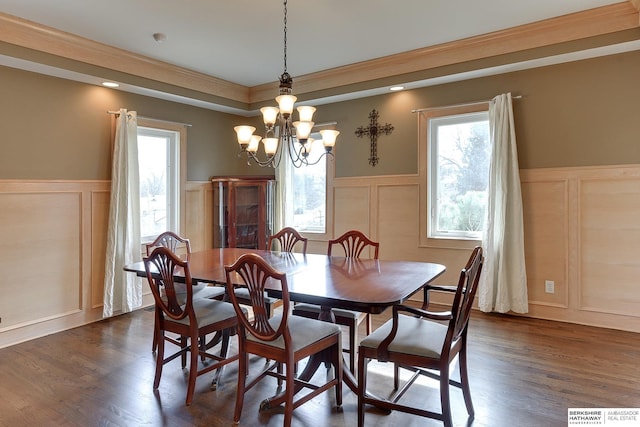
(353, 337)
(224, 348)
(159, 360)
(444, 398)
(368, 320)
(288, 403)
(337, 371)
(464, 381)
(183, 343)
(154, 345)
(193, 368)
(362, 386)
(243, 361)
(396, 376)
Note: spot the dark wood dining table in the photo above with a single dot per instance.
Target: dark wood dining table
(365, 285)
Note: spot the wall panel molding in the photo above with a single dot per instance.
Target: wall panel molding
(54, 249)
(594, 210)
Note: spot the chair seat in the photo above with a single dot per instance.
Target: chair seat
(415, 337)
(338, 312)
(209, 311)
(209, 292)
(304, 331)
(244, 294)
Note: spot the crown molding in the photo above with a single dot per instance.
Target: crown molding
(576, 26)
(41, 38)
(600, 21)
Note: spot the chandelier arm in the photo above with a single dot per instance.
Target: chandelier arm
(252, 157)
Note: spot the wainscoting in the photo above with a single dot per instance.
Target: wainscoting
(582, 231)
(53, 242)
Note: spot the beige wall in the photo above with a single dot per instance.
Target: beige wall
(59, 129)
(582, 113)
(576, 123)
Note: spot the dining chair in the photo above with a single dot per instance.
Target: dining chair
(287, 239)
(191, 319)
(178, 244)
(425, 343)
(283, 339)
(353, 243)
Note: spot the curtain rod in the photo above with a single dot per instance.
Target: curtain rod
(466, 104)
(150, 118)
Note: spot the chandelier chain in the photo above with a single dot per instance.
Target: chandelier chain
(285, 36)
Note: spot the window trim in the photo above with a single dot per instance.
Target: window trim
(424, 160)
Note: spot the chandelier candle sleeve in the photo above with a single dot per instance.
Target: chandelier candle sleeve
(244, 135)
(254, 143)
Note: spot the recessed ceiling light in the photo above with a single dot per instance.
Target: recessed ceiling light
(110, 84)
(396, 88)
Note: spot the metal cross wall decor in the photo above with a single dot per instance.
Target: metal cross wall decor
(373, 130)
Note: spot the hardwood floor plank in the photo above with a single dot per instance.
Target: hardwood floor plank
(523, 372)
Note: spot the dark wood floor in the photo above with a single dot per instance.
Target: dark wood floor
(523, 372)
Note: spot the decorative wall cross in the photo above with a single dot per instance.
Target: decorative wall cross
(373, 130)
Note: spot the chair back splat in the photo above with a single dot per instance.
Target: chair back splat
(288, 237)
(425, 343)
(255, 274)
(353, 243)
(171, 241)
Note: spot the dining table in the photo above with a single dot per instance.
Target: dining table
(365, 285)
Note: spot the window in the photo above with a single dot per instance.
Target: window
(159, 160)
(458, 174)
(306, 187)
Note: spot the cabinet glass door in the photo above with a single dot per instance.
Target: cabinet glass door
(247, 215)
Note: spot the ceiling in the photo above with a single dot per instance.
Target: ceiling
(241, 41)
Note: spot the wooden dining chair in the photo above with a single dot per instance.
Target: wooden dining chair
(191, 319)
(287, 239)
(283, 339)
(425, 343)
(353, 244)
(181, 245)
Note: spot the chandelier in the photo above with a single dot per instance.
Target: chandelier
(281, 132)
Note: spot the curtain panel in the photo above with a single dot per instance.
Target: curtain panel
(122, 290)
(503, 283)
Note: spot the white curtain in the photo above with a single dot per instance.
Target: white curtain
(503, 283)
(122, 290)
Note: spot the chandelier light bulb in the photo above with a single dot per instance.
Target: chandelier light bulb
(244, 135)
(329, 138)
(285, 102)
(269, 116)
(303, 130)
(270, 146)
(305, 113)
(254, 143)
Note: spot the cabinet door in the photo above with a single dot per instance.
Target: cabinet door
(247, 215)
(242, 212)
